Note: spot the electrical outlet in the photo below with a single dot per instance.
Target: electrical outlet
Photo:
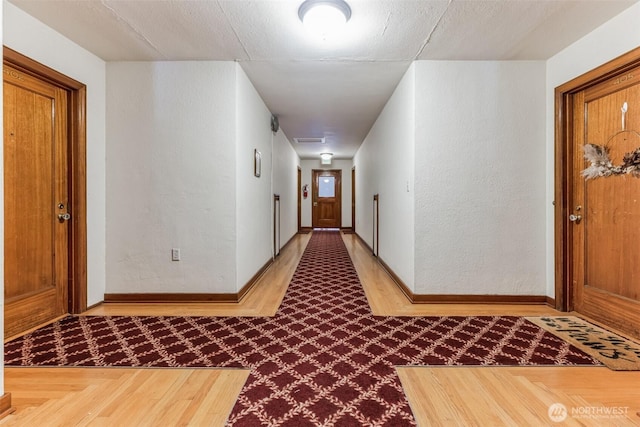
(175, 254)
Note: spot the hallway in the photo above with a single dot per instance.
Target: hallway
(445, 128)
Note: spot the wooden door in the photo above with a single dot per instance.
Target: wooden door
(606, 209)
(35, 194)
(327, 198)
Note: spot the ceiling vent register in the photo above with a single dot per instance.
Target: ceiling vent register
(309, 140)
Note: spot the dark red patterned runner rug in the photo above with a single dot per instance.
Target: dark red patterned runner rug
(323, 359)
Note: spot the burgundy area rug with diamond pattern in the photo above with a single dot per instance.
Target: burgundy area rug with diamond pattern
(323, 359)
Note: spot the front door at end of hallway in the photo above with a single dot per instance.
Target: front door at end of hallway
(327, 199)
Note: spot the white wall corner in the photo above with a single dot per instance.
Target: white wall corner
(385, 166)
(254, 195)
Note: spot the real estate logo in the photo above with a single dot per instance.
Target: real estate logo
(557, 412)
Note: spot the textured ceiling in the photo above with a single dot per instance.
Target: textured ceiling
(333, 90)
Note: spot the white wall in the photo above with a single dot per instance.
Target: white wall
(180, 162)
(254, 217)
(385, 166)
(480, 173)
(345, 166)
(607, 42)
(171, 177)
(31, 38)
(285, 183)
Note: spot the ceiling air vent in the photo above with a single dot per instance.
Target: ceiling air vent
(309, 140)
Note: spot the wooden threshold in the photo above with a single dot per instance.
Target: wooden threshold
(13, 337)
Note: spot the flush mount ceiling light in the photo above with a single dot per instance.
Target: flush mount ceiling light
(326, 158)
(324, 18)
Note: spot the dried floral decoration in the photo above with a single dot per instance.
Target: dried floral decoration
(601, 164)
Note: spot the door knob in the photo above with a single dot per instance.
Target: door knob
(575, 218)
(315, 203)
(64, 217)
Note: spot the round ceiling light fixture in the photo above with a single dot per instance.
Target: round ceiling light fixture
(326, 158)
(324, 18)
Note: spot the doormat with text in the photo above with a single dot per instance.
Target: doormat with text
(614, 351)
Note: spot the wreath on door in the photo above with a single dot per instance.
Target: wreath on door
(602, 166)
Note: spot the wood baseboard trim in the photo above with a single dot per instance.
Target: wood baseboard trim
(398, 281)
(551, 302)
(94, 305)
(159, 298)
(458, 299)
(305, 230)
(478, 299)
(347, 230)
(362, 241)
(252, 282)
(5, 405)
(288, 243)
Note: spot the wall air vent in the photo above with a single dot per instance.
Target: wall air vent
(309, 140)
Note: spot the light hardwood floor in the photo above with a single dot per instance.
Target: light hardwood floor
(521, 396)
(263, 300)
(386, 298)
(439, 396)
(122, 396)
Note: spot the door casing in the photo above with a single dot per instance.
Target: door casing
(564, 153)
(77, 288)
(316, 174)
